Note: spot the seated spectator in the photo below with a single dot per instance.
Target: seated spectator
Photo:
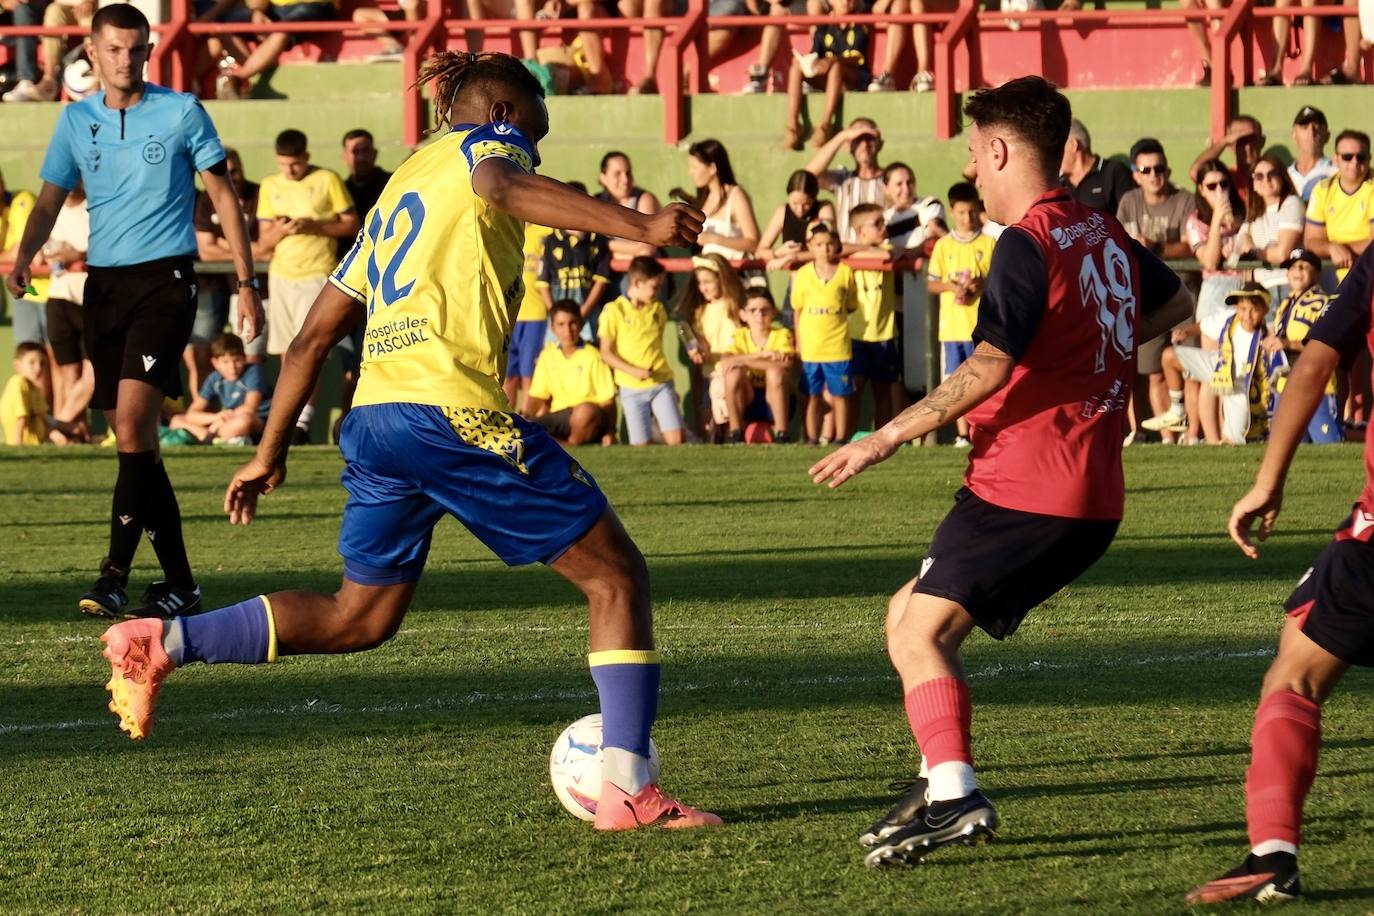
(958, 267)
(59, 14)
(302, 211)
(1245, 138)
(572, 394)
(1272, 75)
(1212, 234)
(1349, 69)
(632, 343)
(761, 71)
(924, 80)
(225, 51)
(757, 369)
(875, 363)
(270, 48)
(783, 242)
(653, 38)
(24, 414)
(1310, 163)
(65, 254)
(711, 305)
(912, 224)
(233, 402)
(577, 266)
(578, 66)
(393, 43)
(1297, 313)
(617, 180)
(531, 328)
(838, 60)
(863, 184)
(1154, 213)
(1338, 214)
(730, 229)
(24, 53)
(1273, 222)
(1201, 31)
(1092, 180)
(217, 304)
(823, 296)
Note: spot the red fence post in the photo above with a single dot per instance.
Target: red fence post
(413, 122)
(946, 40)
(674, 105)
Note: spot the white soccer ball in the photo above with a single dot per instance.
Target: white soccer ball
(575, 766)
(78, 78)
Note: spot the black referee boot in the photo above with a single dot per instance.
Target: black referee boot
(107, 598)
(165, 600)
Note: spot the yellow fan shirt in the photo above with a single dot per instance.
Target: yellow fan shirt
(319, 195)
(821, 310)
(779, 341)
(951, 259)
(636, 332)
(566, 381)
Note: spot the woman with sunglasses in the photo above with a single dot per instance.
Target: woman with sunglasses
(1213, 229)
(1273, 222)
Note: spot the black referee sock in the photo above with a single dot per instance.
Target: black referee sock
(128, 508)
(162, 519)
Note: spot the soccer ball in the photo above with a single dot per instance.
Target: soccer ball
(575, 766)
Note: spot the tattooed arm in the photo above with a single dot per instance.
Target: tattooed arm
(976, 379)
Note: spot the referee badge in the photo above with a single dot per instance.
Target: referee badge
(154, 152)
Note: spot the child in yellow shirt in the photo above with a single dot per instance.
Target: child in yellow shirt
(873, 328)
(632, 343)
(823, 295)
(571, 393)
(758, 369)
(24, 414)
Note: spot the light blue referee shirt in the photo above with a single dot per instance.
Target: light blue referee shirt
(139, 166)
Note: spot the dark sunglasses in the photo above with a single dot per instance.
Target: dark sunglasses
(1265, 176)
(1353, 157)
(1153, 169)
(1213, 185)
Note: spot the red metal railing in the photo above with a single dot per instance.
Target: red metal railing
(955, 33)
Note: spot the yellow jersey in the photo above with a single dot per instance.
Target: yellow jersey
(439, 271)
(23, 400)
(876, 319)
(12, 224)
(821, 309)
(319, 195)
(950, 260)
(636, 332)
(1345, 216)
(566, 381)
(779, 341)
(533, 307)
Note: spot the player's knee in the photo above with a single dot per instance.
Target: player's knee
(1305, 683)
(624, 579)
(364, 622)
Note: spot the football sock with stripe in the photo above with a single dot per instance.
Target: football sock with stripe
(1283, 763)
(244, 633)
(162, 520)
(627, 682)
(128, 509)
(941, 717)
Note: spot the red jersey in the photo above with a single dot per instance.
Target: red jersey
(1345, 326)
(1063, 298)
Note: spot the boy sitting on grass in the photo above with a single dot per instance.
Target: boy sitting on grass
(24, 413)
(758, 369)
(572, 394)
(632, 343)
(234, 400)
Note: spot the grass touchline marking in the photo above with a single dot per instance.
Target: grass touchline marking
(317, 706)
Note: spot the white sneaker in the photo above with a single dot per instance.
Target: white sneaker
(882, 83)
(1171, 420)
(25, 91)
(924, 82)
(962, 442)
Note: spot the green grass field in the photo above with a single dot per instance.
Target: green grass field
(1112, 730)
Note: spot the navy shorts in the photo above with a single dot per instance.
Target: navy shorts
(953, 354)
(1334, 600)
(837, 377)
(875, 360)
(505, 479)
(999, 564)
(526, 343)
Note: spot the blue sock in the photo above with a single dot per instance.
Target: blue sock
(627, 680)
(244, 633)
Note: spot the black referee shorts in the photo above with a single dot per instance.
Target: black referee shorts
(138, 322)
(1334, 601)
(999, 564)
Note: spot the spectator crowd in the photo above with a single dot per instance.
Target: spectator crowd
(602, 324)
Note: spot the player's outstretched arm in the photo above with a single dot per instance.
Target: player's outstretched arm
(36, 232)
(976, 379)
(1305, 388)
(1163, 318)
(331, 317)
(546, 202)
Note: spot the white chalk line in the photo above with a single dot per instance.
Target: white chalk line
(317, 706)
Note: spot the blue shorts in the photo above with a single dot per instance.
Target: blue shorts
(836, 377)
(875, 360)
(953, 354)
(504, 478)
(526, 343)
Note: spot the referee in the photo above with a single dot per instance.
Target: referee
(138, 148)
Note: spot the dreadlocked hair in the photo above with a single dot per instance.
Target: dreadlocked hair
(452, 72)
